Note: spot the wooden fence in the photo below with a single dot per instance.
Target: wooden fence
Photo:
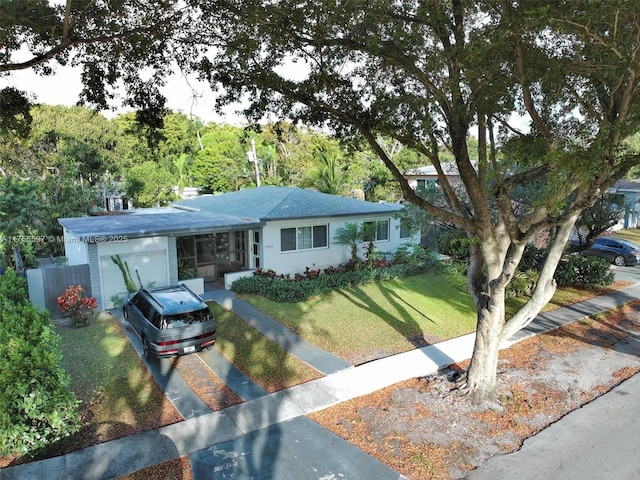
(47, 284)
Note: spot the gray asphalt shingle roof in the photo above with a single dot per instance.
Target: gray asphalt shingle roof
(241, 209)
(278, 203)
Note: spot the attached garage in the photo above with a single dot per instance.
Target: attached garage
(150, 268)
(146, 241)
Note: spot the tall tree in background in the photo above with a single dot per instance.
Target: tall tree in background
(418, 72)
(327, 176)
(221, 166)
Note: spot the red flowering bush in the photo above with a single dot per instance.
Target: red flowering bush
(76, 305)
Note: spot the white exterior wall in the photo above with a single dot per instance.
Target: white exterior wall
(296, 261)
(149, 256)
(76, 251)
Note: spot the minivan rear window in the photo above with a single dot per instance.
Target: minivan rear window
(189, 318)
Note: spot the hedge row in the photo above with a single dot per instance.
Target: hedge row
(286, 290)
(37, 405)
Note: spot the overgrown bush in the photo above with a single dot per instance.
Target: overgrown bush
(584, 272)
(454, 243)
(532, 258)
(37, 405)
(283, 288)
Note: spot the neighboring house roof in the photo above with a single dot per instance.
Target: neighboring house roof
(449, 168)
(241, 209)
(280, 203)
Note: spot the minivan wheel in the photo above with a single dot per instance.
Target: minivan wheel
(620, 261)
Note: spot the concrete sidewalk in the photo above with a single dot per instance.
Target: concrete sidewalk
(243, 435)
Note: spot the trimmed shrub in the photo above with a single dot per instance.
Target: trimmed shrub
(584, 272)
(282, 288)
(37, 405)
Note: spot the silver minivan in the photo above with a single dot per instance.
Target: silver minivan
(170, 321)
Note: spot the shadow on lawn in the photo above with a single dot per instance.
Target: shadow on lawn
(403, 323)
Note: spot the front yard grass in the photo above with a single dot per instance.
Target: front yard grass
(119, 396)
(385, 318)
(631, 234)
(266, 363)
(378, 319)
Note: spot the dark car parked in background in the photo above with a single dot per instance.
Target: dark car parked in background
(617, 251)
(170, 321)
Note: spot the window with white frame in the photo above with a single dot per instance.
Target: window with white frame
(303, 238)
(379, 229)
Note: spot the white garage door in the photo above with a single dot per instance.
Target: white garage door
(151, 266)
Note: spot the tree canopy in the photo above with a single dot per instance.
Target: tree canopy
(427, 72)
(114, 42)
(421, 74)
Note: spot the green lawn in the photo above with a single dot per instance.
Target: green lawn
(266, 363)
(119, 396)
(377, 319)
(631, 234)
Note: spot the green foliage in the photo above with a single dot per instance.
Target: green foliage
(221, 165)
(522, 284)
(13, 288)
(412, 252)
(455, 272)
(37, 406)
(599, 217)
(126, 274)
(22, 216)
(149, 185)
(532, 258)
(350, 235)
(584, 272)
(15, 118)
(453, 242)
(328, 176)
(281, 288)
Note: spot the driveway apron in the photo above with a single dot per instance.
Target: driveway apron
(184, 399)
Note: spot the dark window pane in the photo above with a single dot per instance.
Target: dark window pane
(287, 239)
(320, 236)
(382, 230)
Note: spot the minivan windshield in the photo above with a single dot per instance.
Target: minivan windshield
(189, 318)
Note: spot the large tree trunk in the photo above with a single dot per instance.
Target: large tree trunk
(500, 260)
(482, 373)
